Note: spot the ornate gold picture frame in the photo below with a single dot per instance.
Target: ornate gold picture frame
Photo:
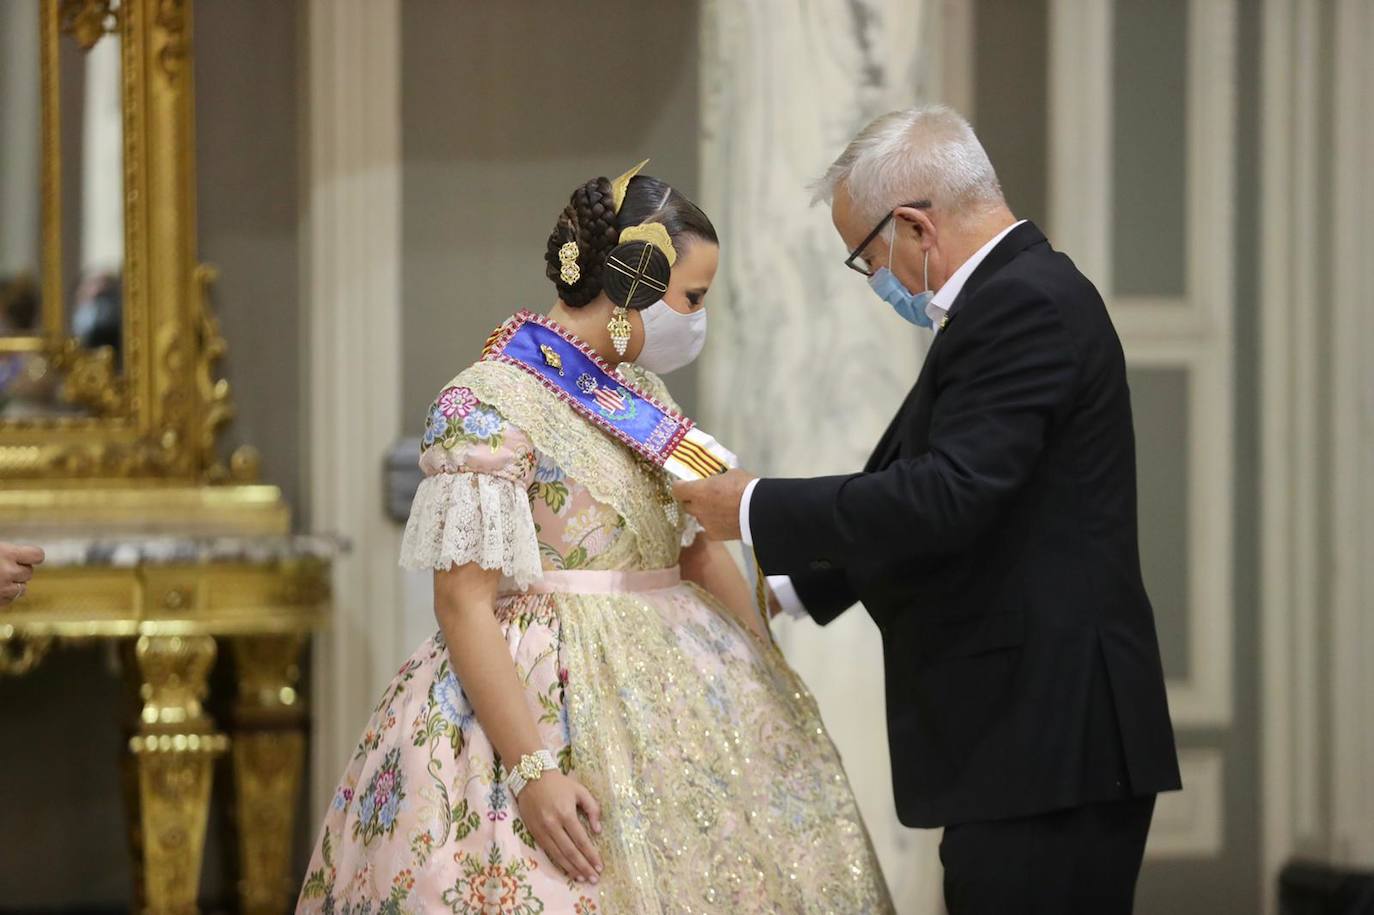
(154, 419)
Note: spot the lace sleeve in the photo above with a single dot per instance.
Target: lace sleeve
(472, 506)
(466, 517)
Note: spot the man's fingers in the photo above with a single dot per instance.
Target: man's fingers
(684, 490)
(20, 573)
(25, 554)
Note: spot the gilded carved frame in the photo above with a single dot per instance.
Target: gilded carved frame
(156, 421)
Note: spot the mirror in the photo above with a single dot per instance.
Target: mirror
(61, 201)
(114, 383)
(21, 170)
(91, 147)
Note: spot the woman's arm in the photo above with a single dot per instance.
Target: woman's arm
(707, 563)
(464, 604)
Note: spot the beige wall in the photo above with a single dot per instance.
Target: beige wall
(507, 107)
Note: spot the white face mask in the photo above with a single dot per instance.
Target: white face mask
(671, 339)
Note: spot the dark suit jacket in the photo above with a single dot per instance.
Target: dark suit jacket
(992, 537)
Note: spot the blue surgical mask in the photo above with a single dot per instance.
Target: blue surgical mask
(910, 305)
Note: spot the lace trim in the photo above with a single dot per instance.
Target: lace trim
(610, 471)
(690, 529)
(458, 518)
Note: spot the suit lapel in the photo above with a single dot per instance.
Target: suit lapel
(1024, 236)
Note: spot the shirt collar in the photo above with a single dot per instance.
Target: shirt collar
(938, 307)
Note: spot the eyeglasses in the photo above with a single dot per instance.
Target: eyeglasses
(855, 261)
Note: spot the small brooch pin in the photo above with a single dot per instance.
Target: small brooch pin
(586, 383)
(552, 359)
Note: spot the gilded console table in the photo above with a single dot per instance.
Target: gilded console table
(175, 604)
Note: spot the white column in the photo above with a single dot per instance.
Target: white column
(805, 365)
(353, 311)
(1080, 180)
(1288, 85)
(1318, 476)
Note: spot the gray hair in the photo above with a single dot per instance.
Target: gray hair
(924, 153)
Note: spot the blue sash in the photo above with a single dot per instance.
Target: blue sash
(574, 372)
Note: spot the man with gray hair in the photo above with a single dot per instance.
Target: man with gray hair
(992, 537)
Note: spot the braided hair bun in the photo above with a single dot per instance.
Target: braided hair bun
(590, 220)
(638, 277)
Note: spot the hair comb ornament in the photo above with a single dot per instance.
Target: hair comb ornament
(568, 270)
(654, 233)
(622, 184)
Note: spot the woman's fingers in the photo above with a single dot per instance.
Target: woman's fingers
(584, 844)
(590, 807)
(581, 867)
(547, 841)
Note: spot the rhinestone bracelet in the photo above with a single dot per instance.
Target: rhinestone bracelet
(530, 768)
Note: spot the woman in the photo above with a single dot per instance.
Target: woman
(601, 723)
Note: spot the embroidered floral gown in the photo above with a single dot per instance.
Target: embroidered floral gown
(720, 790)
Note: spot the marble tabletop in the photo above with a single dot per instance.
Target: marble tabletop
(114, 551)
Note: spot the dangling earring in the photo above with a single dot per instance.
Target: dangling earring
(568, 270)
(620, 329)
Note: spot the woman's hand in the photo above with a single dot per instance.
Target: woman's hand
(549, 805)
(708, 563)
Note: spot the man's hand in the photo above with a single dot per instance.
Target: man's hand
(16, 568)
(715, 502)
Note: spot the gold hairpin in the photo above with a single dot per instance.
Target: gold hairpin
(654, 233)
(622, 184)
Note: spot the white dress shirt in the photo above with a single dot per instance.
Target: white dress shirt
(937, 309)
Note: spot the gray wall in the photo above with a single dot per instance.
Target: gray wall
(1010, 97)
(65, 844)
(506, 108)
(246, 110)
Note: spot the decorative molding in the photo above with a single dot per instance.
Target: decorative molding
(1282, 99)
(1080, 140)
(1191, 823)
(352, 299)
(149, 423)
(87, 21)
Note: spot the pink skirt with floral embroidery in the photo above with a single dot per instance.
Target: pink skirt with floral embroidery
(696, 739)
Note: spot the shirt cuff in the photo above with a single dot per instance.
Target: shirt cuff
(744, 533)
(787, 597)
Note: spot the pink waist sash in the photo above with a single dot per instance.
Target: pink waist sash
(575, 582)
